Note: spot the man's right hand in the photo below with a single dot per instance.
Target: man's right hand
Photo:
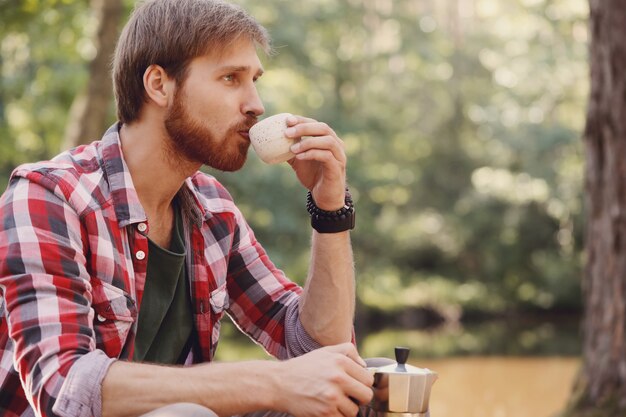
(330, 381)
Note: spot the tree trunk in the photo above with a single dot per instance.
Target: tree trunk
(601, 386)
(88, 113)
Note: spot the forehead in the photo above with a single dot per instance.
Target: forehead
(241, 53)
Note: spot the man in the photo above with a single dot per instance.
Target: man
(118, 259)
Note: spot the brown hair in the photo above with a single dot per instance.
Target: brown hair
(170, 33)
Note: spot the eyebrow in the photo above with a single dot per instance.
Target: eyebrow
(241, 68)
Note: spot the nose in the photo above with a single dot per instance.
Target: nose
(253, 106)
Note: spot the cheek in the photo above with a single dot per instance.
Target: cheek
(208, 105)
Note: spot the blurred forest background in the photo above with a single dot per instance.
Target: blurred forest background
(462, 121)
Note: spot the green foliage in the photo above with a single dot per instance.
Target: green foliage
(462, 131)
(43, 52)
(463, 139)
(509, 338)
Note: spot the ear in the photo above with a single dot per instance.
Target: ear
(158, 85)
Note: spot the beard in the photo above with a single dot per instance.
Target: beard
(195, 141)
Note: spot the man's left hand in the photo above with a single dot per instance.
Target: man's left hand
(320, 161)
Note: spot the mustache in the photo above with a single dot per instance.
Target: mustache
(246, 124)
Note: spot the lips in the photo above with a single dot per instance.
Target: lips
(244, 127)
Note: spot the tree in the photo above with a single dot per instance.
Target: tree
(601, 386)
(89, 111)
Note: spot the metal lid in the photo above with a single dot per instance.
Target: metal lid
(401, 367)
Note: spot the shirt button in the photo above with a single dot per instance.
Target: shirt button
(141, 255)
(101, 318)
(142, 227)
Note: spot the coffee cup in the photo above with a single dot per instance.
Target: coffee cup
(269, 140)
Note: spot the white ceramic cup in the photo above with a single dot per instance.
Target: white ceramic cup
(269, 141)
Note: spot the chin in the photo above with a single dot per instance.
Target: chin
(227, 164)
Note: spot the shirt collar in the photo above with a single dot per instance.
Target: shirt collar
(128, 209)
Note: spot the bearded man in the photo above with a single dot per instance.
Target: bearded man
(119, 259)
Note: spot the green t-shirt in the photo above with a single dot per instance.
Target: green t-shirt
(165, 323)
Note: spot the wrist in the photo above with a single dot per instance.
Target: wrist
(269, 392)
(275, 396)
(335, 221)
(334, 205)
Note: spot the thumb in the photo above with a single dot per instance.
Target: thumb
(350, 351)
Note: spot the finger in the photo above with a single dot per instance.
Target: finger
(294, 119)
(358, 391)
(359, 384)
(352, 353)
(324, 143)
(361, 394)
(359, 373)
(331, 170)
(348, 350)
(310, 129)
(347, 407)
(325, 157)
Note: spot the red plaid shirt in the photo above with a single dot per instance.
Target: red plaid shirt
(73, 257)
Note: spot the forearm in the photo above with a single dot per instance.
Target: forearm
(327, 304)
(131, 389)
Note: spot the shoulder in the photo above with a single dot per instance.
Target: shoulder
(74, 176)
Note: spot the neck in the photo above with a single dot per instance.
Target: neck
(157, 175)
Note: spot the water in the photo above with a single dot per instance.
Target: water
(500, 368)
(500, 386)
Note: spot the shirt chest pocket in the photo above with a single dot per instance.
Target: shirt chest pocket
(219, 300)
(114, 314)
(219, 303)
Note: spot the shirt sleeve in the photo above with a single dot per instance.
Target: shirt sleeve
(262, 301)
(48, 298)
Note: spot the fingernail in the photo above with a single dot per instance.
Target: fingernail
(290, 132)
(292, 119)
(295, 148)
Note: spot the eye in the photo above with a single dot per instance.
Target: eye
(229, 78)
